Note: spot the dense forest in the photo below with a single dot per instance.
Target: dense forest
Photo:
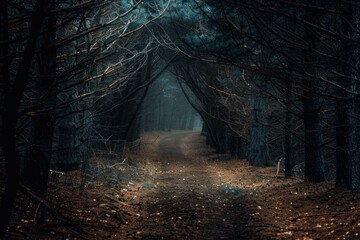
(273, 82)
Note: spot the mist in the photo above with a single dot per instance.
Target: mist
(165, 107)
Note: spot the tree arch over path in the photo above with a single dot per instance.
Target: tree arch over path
(271, 80)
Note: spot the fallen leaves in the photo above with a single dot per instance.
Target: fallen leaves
(198, 198)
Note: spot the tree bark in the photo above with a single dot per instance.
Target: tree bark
(314, 158)
(346, 144)
(257, 151)
(11, 107)
(5, 61)
(36, 169)
(288, 136)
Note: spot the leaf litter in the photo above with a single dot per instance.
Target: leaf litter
(178, 188)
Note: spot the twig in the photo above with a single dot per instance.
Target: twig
(116, 164)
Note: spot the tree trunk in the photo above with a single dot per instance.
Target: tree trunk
(234, 144)
(257, 151)
(4, 63)
(66, 158)
(190, 125)
(288, 135)
(241, 148)
(11, 106)
(346, 144)
(314, 158)
(36, 169)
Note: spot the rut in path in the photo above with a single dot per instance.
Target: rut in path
(188, 196)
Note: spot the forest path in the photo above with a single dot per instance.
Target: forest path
(187, 195)
(173, 186)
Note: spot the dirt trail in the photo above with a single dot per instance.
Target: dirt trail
(188, 197)
(189, 192)
(175, 187)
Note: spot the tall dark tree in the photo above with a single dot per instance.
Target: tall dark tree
(37, 166)
(347, 168)
(12, 100)
(313, 122)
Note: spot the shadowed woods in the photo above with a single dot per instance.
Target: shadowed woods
(96, 98)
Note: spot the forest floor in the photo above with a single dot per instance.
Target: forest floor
(172, 186)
